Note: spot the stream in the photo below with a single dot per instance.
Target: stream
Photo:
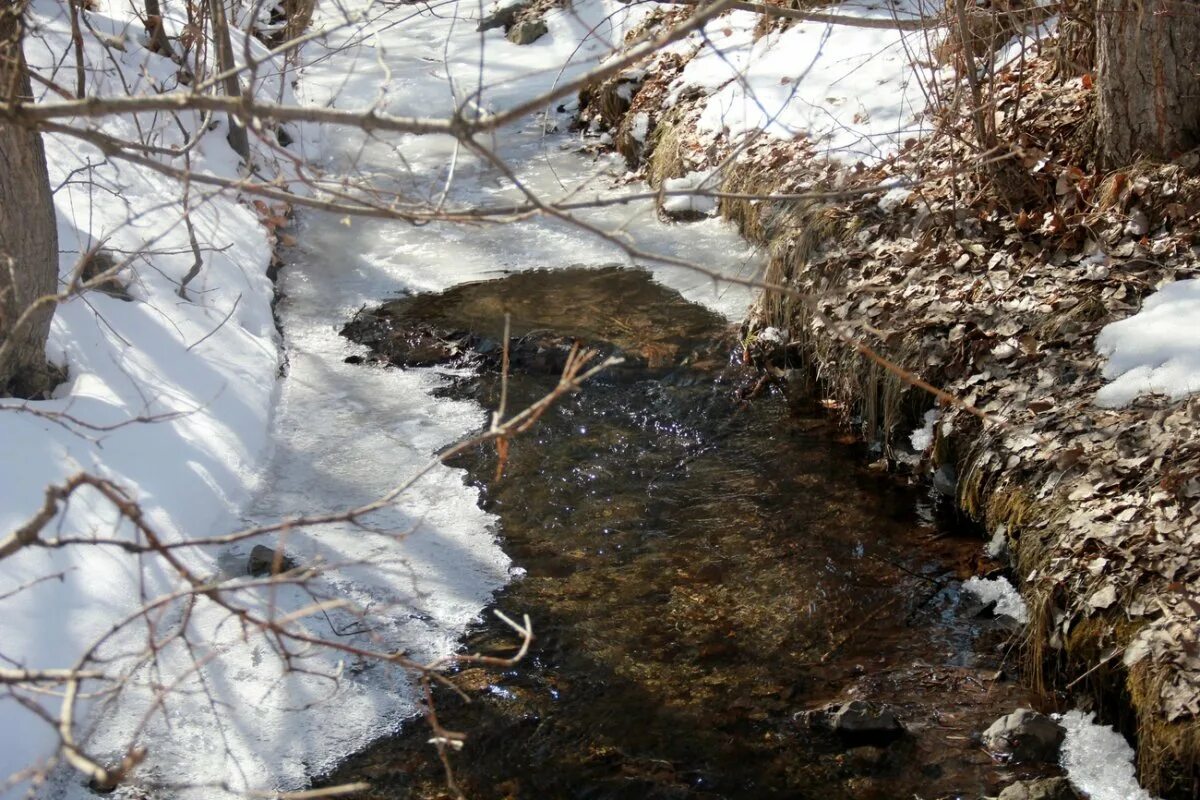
(706, 560)
(701, 568)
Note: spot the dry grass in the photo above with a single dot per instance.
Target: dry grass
(1167, 751)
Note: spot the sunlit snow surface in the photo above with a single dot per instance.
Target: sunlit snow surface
(857, 93)
(1155, 351)
(1098, 760)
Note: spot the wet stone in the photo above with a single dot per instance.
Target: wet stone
(1024, 736)
(856, 721)
(527, 32)
(262, 561)
(1045, 789)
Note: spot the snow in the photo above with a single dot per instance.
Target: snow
(1157, 350)
(640, 127)
(690, 203)
(922, 437)
(855, 92)
(999, 591)
(1098, 760)
(245, 448)
(206, 378)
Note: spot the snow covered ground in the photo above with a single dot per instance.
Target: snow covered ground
(857, 93)
(1157, 350)
(230, 446)
(201, 366)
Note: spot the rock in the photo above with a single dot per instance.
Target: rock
(1045, 789)
(866, 757)
(1024, 736)
(859, 718)
(262, 561)
(527, 32)
(504, 16)
(857, 722)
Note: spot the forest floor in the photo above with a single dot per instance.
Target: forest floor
(973, 309)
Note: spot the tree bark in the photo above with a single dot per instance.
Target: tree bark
(1148, 92)
(220, 27)
(28, 234)
(1076, 50)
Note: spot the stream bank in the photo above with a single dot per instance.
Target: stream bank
(711, 578)
(992, 285)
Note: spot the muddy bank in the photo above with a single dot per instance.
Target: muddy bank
(991, 284)
(706, 562)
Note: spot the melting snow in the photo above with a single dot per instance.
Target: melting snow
(1157, 350)
(1098, 760)
(999, 591)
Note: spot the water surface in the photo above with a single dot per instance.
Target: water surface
(704, 561)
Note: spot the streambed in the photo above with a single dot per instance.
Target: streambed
(704, 562)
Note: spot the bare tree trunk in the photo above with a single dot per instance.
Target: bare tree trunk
(28, 235)
(1147, 57)
(158, 34)
(1076, 50)
(220, 28)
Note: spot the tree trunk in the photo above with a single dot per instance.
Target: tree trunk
(225, 64)
(1075, 53)
(28, 235)
(1148, 92)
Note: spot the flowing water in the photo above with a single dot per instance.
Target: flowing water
(703, 562)
(703, 558)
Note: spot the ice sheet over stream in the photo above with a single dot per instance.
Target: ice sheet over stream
(346, 434)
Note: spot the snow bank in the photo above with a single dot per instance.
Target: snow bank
(203, 367)
(856, 92)
(1157, 350)
(1098, 760)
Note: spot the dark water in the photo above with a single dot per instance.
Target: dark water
(706, 559)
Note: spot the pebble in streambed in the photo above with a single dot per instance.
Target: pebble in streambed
(726, 603)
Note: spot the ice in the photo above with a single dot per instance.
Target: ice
(999, 591)
(693, 203)
(1098, 760)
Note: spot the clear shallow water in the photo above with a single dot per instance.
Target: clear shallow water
(701, 568)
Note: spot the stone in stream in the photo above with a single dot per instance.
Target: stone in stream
(857, 721)
(1045, 789)
(1024, 736)
(527, 32)
(262, 561)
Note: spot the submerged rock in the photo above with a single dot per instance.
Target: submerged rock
(1024, 736)
(1045, 789)
(857, 722)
